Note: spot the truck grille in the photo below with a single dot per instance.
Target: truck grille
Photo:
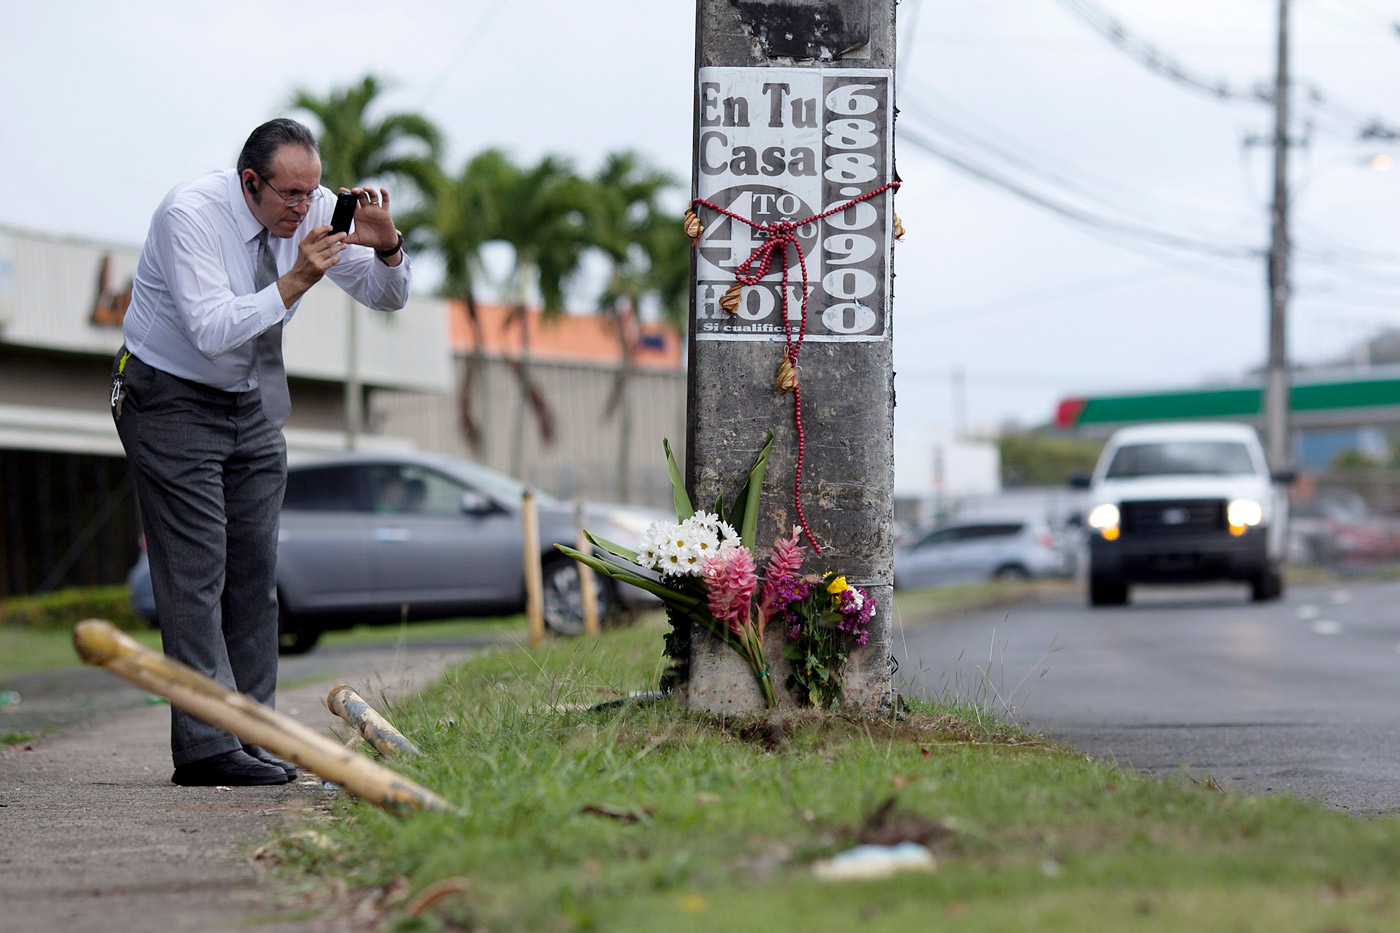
(1172, 516)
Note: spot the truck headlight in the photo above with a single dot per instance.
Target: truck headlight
(1104, 518)
(1243, 514)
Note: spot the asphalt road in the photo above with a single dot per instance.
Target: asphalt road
(1296, 696)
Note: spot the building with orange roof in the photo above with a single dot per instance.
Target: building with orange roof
(572, 338)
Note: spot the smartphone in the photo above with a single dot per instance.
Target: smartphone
(344, 212)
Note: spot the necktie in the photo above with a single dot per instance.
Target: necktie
(272, 375)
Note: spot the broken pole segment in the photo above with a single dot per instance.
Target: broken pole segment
(377, 731)
(791, 305)
(100, 644)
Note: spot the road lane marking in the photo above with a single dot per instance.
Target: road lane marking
(1308, 611)
(1326, 627)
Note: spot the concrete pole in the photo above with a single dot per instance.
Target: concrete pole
(794, 114)
(1277, 385)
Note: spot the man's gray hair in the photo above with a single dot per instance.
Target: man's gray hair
(263, 143)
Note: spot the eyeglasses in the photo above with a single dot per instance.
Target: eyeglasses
(292, 200)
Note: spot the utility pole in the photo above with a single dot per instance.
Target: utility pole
(794, 114)
(354, 396)
(1278, 384)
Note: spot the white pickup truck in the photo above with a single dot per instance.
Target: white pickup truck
(1185, 502)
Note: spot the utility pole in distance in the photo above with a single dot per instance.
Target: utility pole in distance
(794, 114)
(1278, 384)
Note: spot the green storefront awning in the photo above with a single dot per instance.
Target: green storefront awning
(1352, 396)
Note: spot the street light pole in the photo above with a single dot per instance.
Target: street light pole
(1277, 388)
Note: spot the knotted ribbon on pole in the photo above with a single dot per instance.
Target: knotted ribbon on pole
(777, 236)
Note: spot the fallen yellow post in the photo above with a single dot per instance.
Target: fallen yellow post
(100, 643)
(351, 707)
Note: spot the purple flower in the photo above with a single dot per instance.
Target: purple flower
(854, 608)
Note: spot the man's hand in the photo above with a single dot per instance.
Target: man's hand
(315, 254)
(374, 227)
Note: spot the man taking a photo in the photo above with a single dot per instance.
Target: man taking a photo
(199, 396)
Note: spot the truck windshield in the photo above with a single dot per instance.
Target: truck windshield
(1181, 458)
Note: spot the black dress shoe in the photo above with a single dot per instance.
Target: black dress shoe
(231, 768)
(262, 754)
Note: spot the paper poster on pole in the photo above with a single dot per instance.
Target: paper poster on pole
(787, 144)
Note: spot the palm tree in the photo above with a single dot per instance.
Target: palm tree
(645, 249)
(544, 221)
(461, 215)
(539, 212)
(356, 148)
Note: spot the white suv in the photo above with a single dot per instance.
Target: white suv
(1185, 502)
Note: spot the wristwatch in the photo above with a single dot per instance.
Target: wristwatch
(388, 253)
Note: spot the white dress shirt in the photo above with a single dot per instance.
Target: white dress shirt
(194, 311)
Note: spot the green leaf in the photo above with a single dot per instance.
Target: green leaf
(616, 550)
(668, 594)
(792, 652)
(683, 507)
(744, 514)
(719, 507)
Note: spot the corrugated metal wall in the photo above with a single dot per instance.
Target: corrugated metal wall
(583, 460)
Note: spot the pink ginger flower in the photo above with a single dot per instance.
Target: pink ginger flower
(784, 564)
(730, 577)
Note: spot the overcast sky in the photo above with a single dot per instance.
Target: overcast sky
(106, 106)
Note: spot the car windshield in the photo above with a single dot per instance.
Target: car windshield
(502, 488)
(1181, 458)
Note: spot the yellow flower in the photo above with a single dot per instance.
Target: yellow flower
(836, 586)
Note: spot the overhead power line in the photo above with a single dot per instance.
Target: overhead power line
(1154, 59)
(1073, 212)
(946, 122)
(1036, 298)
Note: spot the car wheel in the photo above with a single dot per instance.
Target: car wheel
(1012, 572)
(1105, 590)
(563, 601)
(1267, 585)
(295, 636)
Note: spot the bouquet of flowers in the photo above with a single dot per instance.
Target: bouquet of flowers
(705, 560)
(824, 615)
(708, 576)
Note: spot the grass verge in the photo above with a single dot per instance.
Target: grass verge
(646, 817)
(36, 632)
(25, 650)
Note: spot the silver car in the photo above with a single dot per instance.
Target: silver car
(980, 550)
(375, 537)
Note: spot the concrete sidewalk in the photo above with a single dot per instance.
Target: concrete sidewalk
(94, 837)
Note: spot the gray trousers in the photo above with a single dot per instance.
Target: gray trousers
(210, 473)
